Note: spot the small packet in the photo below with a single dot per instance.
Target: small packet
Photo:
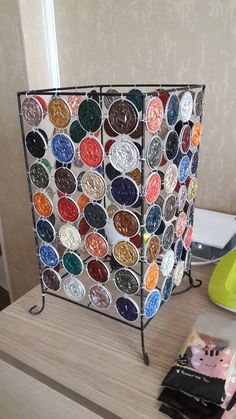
(206, 360)
(230, 399)
(190, 406)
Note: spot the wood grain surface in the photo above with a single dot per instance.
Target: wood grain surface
(96, 361)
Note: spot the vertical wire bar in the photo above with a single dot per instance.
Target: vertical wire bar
(31, 197)
(142, 228)
(102, 141)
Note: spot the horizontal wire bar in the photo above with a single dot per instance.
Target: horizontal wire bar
(94, 310)
(76, 92)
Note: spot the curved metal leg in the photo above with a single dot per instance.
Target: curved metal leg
(38, 311)
(145, 354)
(193, 283)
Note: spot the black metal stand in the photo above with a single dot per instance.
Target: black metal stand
(34, 310)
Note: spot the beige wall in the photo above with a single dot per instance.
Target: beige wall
(162, 41)
(16, 232)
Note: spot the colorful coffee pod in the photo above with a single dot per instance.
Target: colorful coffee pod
(190, 213)
(185, 138)
(172, 110)
(178, 249)
(83, 226)
(91, 152)
(125, 253)
(74, 289)
(136, 97)
(153, 218)
(124, 155)
(167, 263)
(152, 304)
(181, 224)
(98, 271)
(187, 261)
(77, 133)
(171, 178)
(42, 204)
(32, 111)
(135, 175)
(184, 169)
(62, 148)
(166, 289)
(127, 281)
(194, 163)
(168, 237)
(100, 297)
(151, 277)
(36, 143)
(124, 191)
(152, 249)
(123, 116)
(72, 263)
(196, 134)
(51, 279)
(95, 215)
(73, 102)
(154, 114)
(188, 237)
(108, 146)
(186, 106)
(77, 162)
(137, 133)
(65, 180)
(182, 197)
(48, 255)
(111, 172)
(169, 207)
(69, 236)
(154, 153)
(198, 102)
(126, 223)
(79, 177)
(82, 201)
(108, 130)
(178, 273)
(45, 230)
(112, 95)
(39, 175)
(192, 189)
(96, 245)
(111, 210)
(153, 187)
(127, 308)
(90, 115)
(171, 145)
(68, 210)
(59, 112)
(93, 185)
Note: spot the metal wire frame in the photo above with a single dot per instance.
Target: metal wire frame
(74, 91)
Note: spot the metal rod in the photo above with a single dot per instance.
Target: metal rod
(64, 89)
(32, 309)
(94, 310)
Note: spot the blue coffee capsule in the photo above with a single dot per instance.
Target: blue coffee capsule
(45, 230)
(167, 287)
(178, 158)
(184, 169)
(49, 255)
(127, 308)
(152, 303)
(172, 110)
(111, 172)
(95, 215)
(153, 218)
(178, 249)
(194, 163)
(62, 147)
(124, 191)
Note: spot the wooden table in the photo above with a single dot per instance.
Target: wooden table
(68, 362)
